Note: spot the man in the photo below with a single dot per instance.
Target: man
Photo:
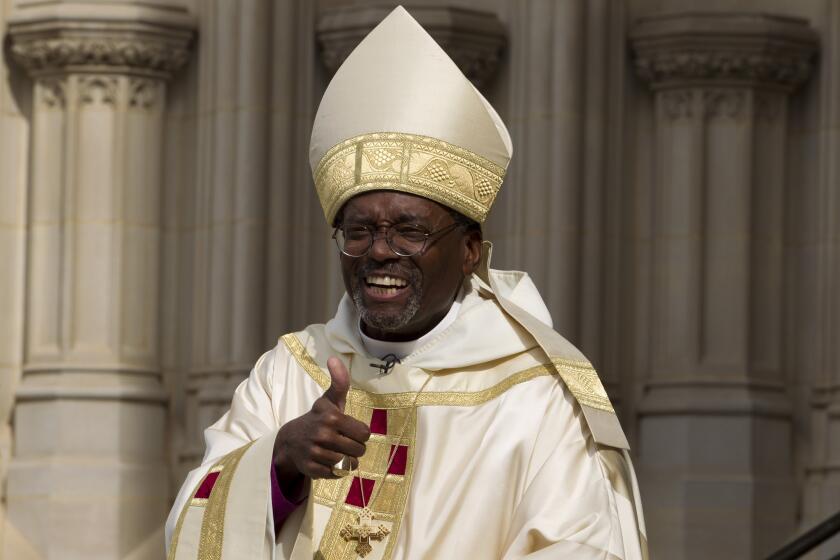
(437, 415)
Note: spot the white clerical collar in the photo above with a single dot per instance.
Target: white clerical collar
(381, 348)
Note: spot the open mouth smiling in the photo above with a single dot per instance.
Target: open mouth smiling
(385, 285)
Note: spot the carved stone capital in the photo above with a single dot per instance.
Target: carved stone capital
(713, 49)
(124, 41)
(677, 105)
(474, 39)
(726, 103)
(98, 90)
(52, 93)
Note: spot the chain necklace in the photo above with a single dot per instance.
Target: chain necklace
(363, 531)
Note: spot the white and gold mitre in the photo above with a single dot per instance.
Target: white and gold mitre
(399, 115)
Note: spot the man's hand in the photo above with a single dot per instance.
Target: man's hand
(311, 444)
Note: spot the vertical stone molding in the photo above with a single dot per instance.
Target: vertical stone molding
(227, 230)
(564, 75)
(14, 136)
(297, 235)
(88, 475)
(817, 287)
(715, 421)
(540, 207)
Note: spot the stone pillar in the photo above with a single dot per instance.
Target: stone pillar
(558, 214)
(815, 252)
(226, 215)
(304, 281)
(88, 475)
(538, 210)
(14, 136)
(715, 420)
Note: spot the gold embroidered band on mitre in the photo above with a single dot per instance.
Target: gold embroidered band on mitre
(421, 165)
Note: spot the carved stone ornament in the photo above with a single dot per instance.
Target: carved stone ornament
(724, 103)
(696, 49)
(98, 90)
(474, 39)
(678, 104)
(49, 45)
(144, 93)
(52, 93)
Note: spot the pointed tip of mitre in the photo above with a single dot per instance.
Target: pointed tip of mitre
(398, 79)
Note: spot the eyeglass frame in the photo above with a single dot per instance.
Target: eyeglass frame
(374, 231)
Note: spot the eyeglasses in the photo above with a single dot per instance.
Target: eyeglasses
(406, 240)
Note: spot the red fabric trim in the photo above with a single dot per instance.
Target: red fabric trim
(379, 421)
(354, 496)
(400, 460)
(207, 485)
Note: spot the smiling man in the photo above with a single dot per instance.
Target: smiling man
(385, 280)
(437, 415)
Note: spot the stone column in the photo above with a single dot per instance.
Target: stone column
(558, 214)
(538, 212)
(88, 475)
(715, 420)
(815, 277)
(14, 135)
(304, 282)
(224, 219)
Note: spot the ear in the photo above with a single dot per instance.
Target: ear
(472, 251)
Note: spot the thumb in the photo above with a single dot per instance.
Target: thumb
(340, 383)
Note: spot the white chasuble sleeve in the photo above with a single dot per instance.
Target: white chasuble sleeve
(256, 412)
(580, 499)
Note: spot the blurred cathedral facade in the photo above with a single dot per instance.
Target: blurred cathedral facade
(674, 193)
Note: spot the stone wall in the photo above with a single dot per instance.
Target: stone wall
(673, 193)
(15, 111)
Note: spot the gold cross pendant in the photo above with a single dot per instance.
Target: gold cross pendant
(363, 531)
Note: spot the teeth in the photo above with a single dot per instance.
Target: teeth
(386, 281)
(380, 291)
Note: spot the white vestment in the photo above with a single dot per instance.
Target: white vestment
(497, 459)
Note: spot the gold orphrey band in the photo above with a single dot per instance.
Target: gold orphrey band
(421, 165)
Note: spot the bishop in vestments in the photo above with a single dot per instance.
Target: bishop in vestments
(437, 415)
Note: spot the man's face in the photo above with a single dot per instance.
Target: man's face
(402, 298)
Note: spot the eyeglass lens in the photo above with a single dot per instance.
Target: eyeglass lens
(404, 240)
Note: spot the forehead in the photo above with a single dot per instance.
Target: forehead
(392, 206)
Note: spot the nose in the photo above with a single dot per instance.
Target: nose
(380, 250)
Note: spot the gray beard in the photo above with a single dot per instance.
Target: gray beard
(389, 321)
